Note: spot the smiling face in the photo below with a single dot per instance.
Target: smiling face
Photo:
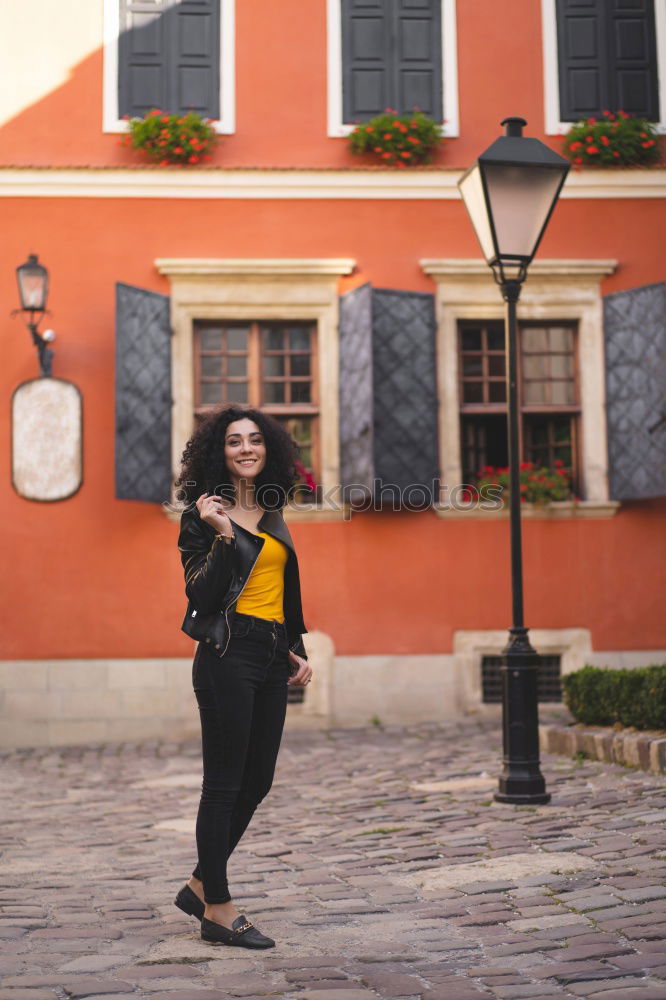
(244, 449)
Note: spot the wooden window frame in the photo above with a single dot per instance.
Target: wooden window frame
(254, 377)
(574, 410)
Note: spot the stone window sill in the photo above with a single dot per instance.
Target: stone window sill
(554, 509)
(301, 512)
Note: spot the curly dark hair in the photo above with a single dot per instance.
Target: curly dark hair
(204, 469)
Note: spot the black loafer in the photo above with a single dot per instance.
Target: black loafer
(189, 902)
(243, 933)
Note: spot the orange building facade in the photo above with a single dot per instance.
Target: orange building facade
(260, 260)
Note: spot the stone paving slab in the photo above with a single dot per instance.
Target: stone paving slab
(379, 862)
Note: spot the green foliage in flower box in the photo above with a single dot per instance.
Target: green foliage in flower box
(599, 696)
(172, 139)
(614, 140)
(397, 140)
(538, 484)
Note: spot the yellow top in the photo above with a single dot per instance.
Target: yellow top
(264, 590)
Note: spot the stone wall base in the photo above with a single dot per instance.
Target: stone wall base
(61, 702)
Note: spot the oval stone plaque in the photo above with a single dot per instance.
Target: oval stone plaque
(47, 452)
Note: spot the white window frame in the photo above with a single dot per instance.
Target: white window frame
(337, 128)
(551, 76)
(111, 122)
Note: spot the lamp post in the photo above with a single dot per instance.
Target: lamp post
(510, 193)
(33, 285)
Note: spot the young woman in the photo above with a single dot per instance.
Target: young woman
(244, 607)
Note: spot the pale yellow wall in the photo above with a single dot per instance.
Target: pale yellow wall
(40, 42)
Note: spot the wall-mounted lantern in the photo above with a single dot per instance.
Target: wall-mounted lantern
(33, 285)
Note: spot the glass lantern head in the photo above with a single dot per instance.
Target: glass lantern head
(510, 193)
(33, 285)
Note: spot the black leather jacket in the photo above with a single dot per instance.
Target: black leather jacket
(216, 572)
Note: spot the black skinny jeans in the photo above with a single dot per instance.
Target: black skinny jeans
(242, 699)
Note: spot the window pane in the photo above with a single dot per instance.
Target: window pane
(274, 392)
(300, 364)
(534, 392)
(473, 392)
(561, 392)
(495, 340)
(497, 392)
(237, 392)
(562, 429)
(211, 340)
(561, 365)
(534, 338)
(471, 340)
(471, 365)
(496, 364)
(561, 338)
(273, 339)
(299, 339)
(211, 392)
(300, 392)
(236, 366)
(484, 442)
(539, 431)
(299, 428)
(535, 366)
(564, 455)
(211, 365)
(273, 364)
(237, 338)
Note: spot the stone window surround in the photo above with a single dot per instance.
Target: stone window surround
(255, 290)
(554, 290)
(573, 645)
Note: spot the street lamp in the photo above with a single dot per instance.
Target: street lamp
(510, 193)
(33, 285)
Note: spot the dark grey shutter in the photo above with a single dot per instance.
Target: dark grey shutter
(635, 341)
(142, 56)
(366, 43)
(388, 394)
(194, 65)
(418, 56)
(391, 57)
(633, 55)
(169, 56)
(356, 397)
(143, 395)
(607, 58)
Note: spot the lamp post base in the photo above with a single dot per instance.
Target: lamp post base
(521, 781)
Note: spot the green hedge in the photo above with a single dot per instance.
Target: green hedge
(601, 697)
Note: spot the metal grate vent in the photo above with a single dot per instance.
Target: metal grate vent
(550, 688)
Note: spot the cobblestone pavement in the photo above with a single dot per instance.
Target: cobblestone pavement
(379, 862)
